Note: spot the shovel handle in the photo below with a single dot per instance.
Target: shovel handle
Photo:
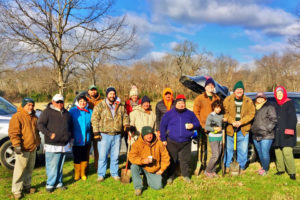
(129, 146)
(234, 145)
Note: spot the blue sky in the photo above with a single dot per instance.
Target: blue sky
(243, 29)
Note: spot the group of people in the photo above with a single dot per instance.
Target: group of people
(159, 141)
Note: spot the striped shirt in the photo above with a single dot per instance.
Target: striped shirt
(238, 107)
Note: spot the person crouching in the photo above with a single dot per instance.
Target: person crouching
(150, 156)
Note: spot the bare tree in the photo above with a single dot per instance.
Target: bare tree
(56, 30)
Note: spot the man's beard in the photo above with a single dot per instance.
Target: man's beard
(111, 99)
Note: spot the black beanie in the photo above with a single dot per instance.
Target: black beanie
(146, 130)
(109, 89)
(145, 99)
(27, 100)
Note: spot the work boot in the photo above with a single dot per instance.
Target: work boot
(76, 172)
(29, 190)
(293, 176)
(83, 166)
(50, 190)
(279, 173)
(138, 192)
(18, 196)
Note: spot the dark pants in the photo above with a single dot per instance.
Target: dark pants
(80, 153)
(182, 151)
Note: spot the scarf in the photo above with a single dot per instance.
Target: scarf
(284, 98)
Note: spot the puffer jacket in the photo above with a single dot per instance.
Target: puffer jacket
(81, 131)
(141, 150)
(263, 127)
(104, 122)
(93, 101)
(23, 130)
(247, 114)
(53, 121)
(140, 118)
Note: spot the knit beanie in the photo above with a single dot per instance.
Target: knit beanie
(146, 130)
(27, 100)
(145, 99)
(180, 97)
(133, 91)
(109, 89)
(209, 81)
(239, 84)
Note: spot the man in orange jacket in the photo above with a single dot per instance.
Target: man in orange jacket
(150, 156)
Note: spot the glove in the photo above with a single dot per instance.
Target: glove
(97, 136)
(18, 150)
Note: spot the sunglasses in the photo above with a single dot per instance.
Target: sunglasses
(59, 102)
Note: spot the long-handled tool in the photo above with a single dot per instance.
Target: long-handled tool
(234, 167)
(126, 173)
(223, 150)
(199, 164)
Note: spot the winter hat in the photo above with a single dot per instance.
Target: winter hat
(145, 99)
(58, 97)
(27, 100)
(109, 89)
(260, 94)
(92, 87)
(209, 81)
(146, 130)
(180, 97)
(133, 91)
(279, 89)
(239, 84)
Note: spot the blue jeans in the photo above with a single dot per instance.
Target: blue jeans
(242, 149)
(109, 144)
(54, 169)
(153, 180)
(263, 150)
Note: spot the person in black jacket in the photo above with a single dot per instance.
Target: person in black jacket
(55, 123)
(263, 129)
(285, 133)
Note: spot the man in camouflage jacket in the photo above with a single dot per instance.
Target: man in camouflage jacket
(108, 120)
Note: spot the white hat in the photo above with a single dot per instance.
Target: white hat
(58, 97)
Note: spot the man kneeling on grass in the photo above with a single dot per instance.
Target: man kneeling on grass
(150, 156)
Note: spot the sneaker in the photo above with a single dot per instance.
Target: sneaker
(62, 188)
(187, 179)
(116, 178)
(262, 172)
(208, 175)
(138, 192)
(100, 179)
(170, 181)
(50, 190)
(18, 196)
(29, 190)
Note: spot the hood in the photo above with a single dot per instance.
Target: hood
(284, 99)
(167, 90)
(21, 110)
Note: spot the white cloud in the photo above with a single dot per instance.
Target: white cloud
(248, 14)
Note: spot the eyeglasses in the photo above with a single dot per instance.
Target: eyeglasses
(59, 102)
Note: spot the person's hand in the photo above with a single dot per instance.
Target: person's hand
(238, 124)
(97, 136)
(164, 143)
(189, 126)
(145, 161)
(18, 150)
(224, 119)
(52, 136)
(160, 172)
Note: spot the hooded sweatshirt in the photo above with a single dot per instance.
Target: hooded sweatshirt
(163, 106)
(23, 130)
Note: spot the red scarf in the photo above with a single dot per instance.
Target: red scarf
(284, 98)
(83, 109)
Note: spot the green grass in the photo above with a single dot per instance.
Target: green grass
(247, 186)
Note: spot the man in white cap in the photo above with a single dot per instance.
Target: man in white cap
(55, 123)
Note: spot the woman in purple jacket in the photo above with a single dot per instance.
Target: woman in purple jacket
(180, 124)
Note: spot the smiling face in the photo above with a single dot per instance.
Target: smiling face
(146, 105)
(217, 109)
(93, 93)
(239, 92)
(82, 103)
(58, 104)
(279, 95)
(210, 88)
(260, 100)
(134, 98)
(111, 96)
(29, 107)
(149, 137)
(180, 105)
(168, 96)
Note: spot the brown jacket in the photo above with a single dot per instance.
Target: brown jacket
(93, 101)
(141, 150)
(23, 130)
(202, 107)
(247, 114)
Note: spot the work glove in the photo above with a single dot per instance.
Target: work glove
(18, 150)
(97, 136)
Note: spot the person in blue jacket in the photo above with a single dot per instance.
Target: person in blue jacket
(81, 133)
(176, 131)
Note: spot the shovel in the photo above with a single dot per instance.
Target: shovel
(223, 151)
(234, 167)
(126, 173)
(199, 164)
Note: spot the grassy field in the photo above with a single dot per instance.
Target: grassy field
(247, 186)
